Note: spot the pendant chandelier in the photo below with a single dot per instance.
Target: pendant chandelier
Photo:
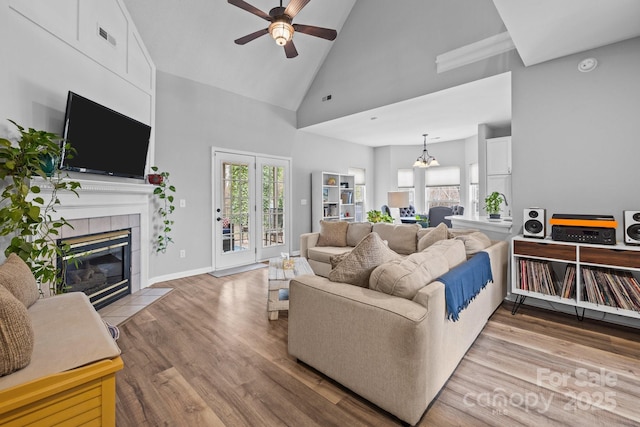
(425, 160)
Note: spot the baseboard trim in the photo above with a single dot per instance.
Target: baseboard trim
(178, 275)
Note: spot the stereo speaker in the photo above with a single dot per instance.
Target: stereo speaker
(632, 227)
(534, 223)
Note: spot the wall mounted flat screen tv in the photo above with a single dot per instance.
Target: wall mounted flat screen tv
(106, 142)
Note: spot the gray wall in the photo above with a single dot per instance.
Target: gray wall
(191, 118)
(575, 135)
(381, 57)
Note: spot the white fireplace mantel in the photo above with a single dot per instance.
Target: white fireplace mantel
(106, 198)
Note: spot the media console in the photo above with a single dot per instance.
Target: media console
(582, 275)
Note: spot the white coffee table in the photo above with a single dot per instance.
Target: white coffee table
(279, 279)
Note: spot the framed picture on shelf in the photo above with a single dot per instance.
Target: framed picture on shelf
(325, 194)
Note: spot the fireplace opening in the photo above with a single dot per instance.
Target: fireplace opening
(98, 265)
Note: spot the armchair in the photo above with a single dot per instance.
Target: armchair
(408, 211)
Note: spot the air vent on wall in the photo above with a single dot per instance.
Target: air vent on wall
(105, 35)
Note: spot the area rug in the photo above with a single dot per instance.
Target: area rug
(236, 270)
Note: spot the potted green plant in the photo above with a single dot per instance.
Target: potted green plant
(378, 216)
(163, 192)
(24, 214)
(423, 220)
(492, 205)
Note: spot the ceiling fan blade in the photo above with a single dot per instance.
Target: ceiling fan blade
(295, 6)
(323, 33)
(252, 9)
(246, 39)
(290, 50)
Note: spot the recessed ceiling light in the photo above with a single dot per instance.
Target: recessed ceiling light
(588, 64)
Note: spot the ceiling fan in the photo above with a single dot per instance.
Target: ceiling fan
(281, 28)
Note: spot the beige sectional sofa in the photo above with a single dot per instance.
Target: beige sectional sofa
(395, 351)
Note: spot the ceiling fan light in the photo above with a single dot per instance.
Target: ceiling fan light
(281, 32)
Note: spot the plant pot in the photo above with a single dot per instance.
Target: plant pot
(48, 163)
(154, 178)
(494, 216)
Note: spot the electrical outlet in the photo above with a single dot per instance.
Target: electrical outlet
(183, 253)
(183, 203)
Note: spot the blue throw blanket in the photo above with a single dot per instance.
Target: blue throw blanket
(464, 282)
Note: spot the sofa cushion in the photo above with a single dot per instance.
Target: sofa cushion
(333, 233)
(16, 276)
(455, 232)
(474, 242)
(356, 267)
(356, 231)
(436, 234)
(452, 249)
(401, 237)
(16, 333)
(324, 253)
(405, 277)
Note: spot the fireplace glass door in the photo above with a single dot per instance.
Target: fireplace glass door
(98, 265)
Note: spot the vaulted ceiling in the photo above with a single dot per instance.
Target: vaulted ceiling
(195, 39)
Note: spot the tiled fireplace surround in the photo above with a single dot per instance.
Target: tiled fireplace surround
(107, 206)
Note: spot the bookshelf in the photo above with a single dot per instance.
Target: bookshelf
(585, 276)
(332, 198)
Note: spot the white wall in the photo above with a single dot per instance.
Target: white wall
(49, 48)
(389, 159)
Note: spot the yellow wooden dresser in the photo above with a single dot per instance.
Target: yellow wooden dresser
(71, 377)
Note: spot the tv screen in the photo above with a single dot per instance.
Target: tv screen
(105, 141)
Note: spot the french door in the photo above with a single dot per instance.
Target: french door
(251, 207)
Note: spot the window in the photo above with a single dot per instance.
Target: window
(360, 191)
(474, 189)
(405, 183)
(442, 186)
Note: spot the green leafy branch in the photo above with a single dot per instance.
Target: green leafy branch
(164, 192)
(24, 213)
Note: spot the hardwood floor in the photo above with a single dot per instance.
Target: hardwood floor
(206, 355)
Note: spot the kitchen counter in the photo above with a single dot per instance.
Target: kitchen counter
(496, 230)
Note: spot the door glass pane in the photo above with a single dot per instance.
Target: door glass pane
(273, 206)
(235, 211)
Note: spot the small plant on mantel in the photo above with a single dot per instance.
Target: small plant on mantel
(25, 214)
(163, 192)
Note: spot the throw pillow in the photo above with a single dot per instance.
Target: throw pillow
(441, 232)
(16, 276)
(474, 242)
(333, 233)
(337, 259)
(357, 231)
(405, 277)
(16, 334)
(357, 266)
